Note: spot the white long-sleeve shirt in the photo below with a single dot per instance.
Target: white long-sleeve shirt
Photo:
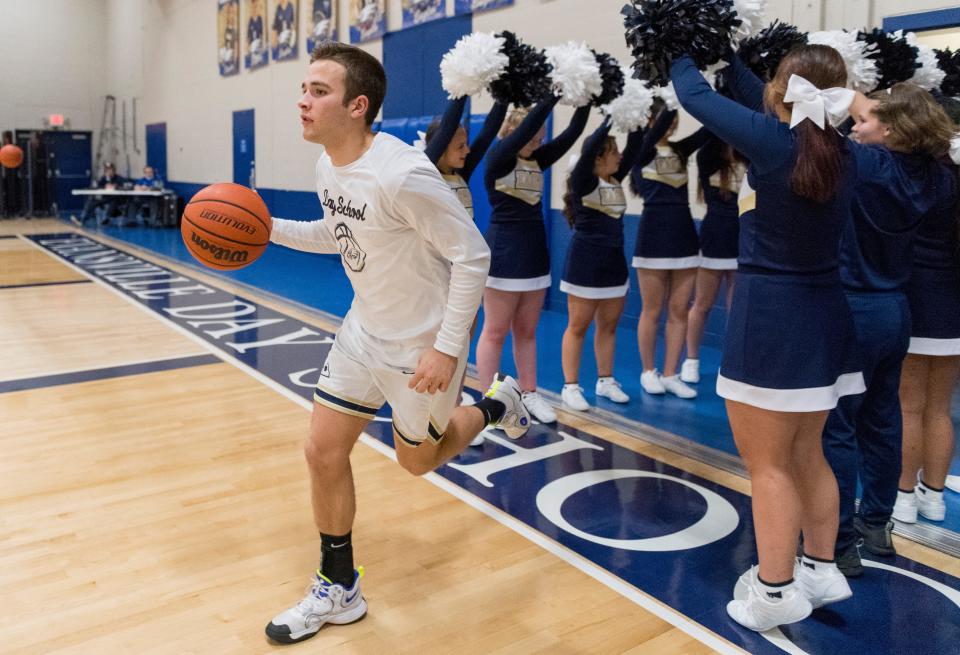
(415, 259)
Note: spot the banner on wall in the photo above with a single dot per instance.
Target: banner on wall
(323, 23)
(421, 11)
(228, 36)
(256, 53)
(283, 30)
(472, 6)
(368, 20)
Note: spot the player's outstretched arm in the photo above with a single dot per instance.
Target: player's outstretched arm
(309, 236)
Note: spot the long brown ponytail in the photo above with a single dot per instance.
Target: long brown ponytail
(820, 153)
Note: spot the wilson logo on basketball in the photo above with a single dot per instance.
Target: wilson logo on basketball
(218, 252)
(226, 220)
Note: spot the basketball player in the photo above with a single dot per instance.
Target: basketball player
(417, 265)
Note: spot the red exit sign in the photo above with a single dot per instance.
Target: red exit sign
(56, 120)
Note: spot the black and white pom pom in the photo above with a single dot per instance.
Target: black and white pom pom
(472, 64)
(612, 77)
(763, 51)
(669, 96)
(631, 109)
(928, 75)
(861, 68)
(575, 74)
(896, 59)
(949, 62)
(750, 13)
(527, 77)
(659, 31)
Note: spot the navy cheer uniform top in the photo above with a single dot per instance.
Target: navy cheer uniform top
(667, 237)
(720, 229)
(933, 289)
(516, 236)
(596, 267)
(790, 343)
(459, 180)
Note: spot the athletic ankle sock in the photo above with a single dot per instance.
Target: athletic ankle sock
(605, 378)
(570, 384)
(930, 488)
(336, 559)
(492, 410)
(905, 491)
(773, 590)
(814, 563)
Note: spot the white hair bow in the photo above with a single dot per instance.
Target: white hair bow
(817, 104)
(421, 142)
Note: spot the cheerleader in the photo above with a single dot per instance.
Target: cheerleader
(789, 341)
(446, 145)
(721, 173)
(932, 367)
(897, 184)
(666, 255)
(520, 265)
(448, 148)
(595, 277)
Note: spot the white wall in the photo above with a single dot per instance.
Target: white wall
(52, 60)
(65, 55)
(182, 86)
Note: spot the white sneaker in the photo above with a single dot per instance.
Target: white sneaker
(690, 371)
(516, 419)
(324, 603)
(650, 381)
(572, 397)
(930, 503)
(753, 609)
(538, 407)
(610, 389)
(821, 585)
(677, 388)
(478, 440)
(905, 509)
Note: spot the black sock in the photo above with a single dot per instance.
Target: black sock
(492, 410)
(772, 589)
(336, 559)
(930, 487)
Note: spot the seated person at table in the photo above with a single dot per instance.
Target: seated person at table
(103, 206)
(149, 182)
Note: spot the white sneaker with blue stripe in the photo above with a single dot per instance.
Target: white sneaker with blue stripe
(326, 602)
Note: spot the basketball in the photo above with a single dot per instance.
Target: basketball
(11, 156)
(226, 226)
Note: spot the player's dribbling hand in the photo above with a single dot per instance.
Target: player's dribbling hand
(434, 371)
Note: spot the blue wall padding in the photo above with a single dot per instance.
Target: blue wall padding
(411, 58)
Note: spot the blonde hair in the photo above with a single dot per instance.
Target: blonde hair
(513, 120)
(917, 123)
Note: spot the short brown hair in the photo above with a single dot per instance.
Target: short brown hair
(365, 75)
(917, 123)
(820, 153)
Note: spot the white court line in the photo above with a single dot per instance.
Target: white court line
(665, 612)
